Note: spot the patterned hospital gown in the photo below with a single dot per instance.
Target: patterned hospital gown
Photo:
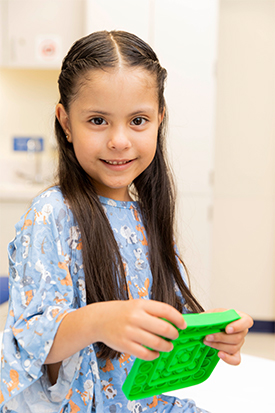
(46, 283)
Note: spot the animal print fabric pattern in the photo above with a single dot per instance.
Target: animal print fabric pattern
(47, 282)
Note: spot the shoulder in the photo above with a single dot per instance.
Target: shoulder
(52, 196)
(48, 210)
(50, 202)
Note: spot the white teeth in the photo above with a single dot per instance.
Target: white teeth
(116, 163)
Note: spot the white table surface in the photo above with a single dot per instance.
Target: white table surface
(247, 388)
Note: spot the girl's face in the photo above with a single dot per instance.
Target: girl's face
(113, 125)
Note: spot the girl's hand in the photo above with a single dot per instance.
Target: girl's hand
(128, 326)
(230, 342)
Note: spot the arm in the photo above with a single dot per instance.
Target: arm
(230, 342)
(126, 326)
(41, 289)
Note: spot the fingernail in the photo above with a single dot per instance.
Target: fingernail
(230, 330)
(209, 338)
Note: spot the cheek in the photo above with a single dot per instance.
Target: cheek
(150, 147)
(152, 153)
(149, 152)
(85, 148)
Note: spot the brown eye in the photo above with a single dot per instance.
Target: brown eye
(98, 121)
(138, 121)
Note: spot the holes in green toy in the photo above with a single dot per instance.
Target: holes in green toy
(176, 348)
(184, 357)
(145, 368)
(190, 330)
(161, 365)
(184, 379)
(199, 374)
(182, 339)
(192, 366)
(172, 382)
(206, 363)
(198, 355)
(146, 387)
(141, 378)
(204, 331)
(166, 373)
(136, 390)
(155, 376)
(180, 352)
(174, 362)
(212, 352)
(190, 362)
(165, 355)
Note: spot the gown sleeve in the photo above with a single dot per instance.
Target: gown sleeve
(41, 291)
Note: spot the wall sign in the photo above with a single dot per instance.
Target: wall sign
(48, 48)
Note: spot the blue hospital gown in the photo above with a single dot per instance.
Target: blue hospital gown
(47, 282)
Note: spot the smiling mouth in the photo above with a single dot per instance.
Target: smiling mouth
(117, 162)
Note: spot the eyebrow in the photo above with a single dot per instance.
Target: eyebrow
(102, 112)
(142, 110)
(95, 112)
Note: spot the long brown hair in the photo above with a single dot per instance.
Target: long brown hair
(154, 189)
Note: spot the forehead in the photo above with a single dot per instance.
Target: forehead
(122, 86)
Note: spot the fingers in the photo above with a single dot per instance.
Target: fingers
(132, 326)
(141, 352)
(160, 327)
(148, 316)
(230, 345)
(150, 330)
(232, 359)
(154, 342)
(224, 338)
(243, 324)
(230, 342)
(135, 349)
(162, 310)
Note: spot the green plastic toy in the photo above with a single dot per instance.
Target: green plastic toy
(189, 363)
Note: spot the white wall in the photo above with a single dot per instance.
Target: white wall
(243, 273)
(121, 15)
(185, 40)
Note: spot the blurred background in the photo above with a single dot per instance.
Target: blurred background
(220, 57)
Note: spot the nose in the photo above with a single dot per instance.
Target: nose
(119, 139)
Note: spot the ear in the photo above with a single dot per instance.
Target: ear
(161, 116)
(63, 119)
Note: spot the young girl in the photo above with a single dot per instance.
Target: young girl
(93, 266)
